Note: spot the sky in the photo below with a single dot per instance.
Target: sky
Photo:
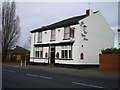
(37, 14)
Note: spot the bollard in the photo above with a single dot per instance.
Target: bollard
(25, 62)
(21, 62)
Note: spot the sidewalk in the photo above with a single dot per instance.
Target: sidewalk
(85, 72)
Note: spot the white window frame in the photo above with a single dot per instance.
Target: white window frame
(38, 52)
(67, 48)
(66, 32)
(53, 34)
(39, 37)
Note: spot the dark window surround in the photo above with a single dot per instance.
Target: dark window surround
(39, 42)
(52, 40)
(66, 39)
(37, 58)
(47, 58)
(64, 59)
(54, 44)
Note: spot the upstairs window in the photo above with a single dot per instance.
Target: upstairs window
(53, 35)
(39, 37)
(68, 33)
(71, 33)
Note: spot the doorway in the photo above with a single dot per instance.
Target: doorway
(52, 57)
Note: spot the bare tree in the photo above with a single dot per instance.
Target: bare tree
(28, 43)
(10, 27)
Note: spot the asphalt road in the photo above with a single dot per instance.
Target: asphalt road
(13, 77)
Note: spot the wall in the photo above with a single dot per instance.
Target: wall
(100, 36)
(109, 63)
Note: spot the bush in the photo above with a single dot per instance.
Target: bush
(111, 51)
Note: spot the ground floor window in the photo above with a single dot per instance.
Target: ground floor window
(66, 52)
(39, 52)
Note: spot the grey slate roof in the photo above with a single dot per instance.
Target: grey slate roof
(20, 50)
(63, 23)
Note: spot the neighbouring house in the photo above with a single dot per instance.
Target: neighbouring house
(74, 41)
(18, 53)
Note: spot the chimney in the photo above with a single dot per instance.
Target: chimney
(17, 46)
(88, 12)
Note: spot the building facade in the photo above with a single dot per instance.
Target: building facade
(77, 40)
(17, 54)
(118, 38)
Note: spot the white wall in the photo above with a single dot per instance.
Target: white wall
(100, 36)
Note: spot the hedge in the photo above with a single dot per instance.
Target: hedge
(111, 51)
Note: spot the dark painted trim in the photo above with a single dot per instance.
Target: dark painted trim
(66, 39)
(37, 58)
(54, 44)
(52, 40)
(39, 42)
(64, 59)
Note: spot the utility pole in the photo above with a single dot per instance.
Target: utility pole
(90, 5)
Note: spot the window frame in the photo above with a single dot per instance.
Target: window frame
(53, 35)
(38, 52)
(39, 37)
(67, 32)
(65, 52)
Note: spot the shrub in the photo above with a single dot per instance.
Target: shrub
(111, 51)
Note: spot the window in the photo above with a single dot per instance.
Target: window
(52, 35)
(38, 52)
(70, 54)
(68, 32)
(39, 37)
(66, 52)
(62, 53)
(71, 33)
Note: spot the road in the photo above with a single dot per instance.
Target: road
(14, 77)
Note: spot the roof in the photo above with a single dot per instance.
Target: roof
(63, 23)
(20, 50)
(118, 30)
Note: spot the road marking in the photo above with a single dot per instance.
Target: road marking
(45, 77)
(38, 76)
(32, 75)
(9, 70)
(88, 85)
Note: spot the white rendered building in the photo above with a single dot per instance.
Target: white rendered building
(118, 38)
(77, 40)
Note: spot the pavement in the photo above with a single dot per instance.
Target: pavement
(85, 72)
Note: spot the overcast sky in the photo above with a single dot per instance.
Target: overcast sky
(37, 14)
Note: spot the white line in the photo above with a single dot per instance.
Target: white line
(32, 75)
(45, 77)
(9, 70)
(88, 85)
(38, 76)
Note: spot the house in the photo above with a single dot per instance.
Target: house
(118, 38)
(17, 54)
(74, 41)
(0, 45)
